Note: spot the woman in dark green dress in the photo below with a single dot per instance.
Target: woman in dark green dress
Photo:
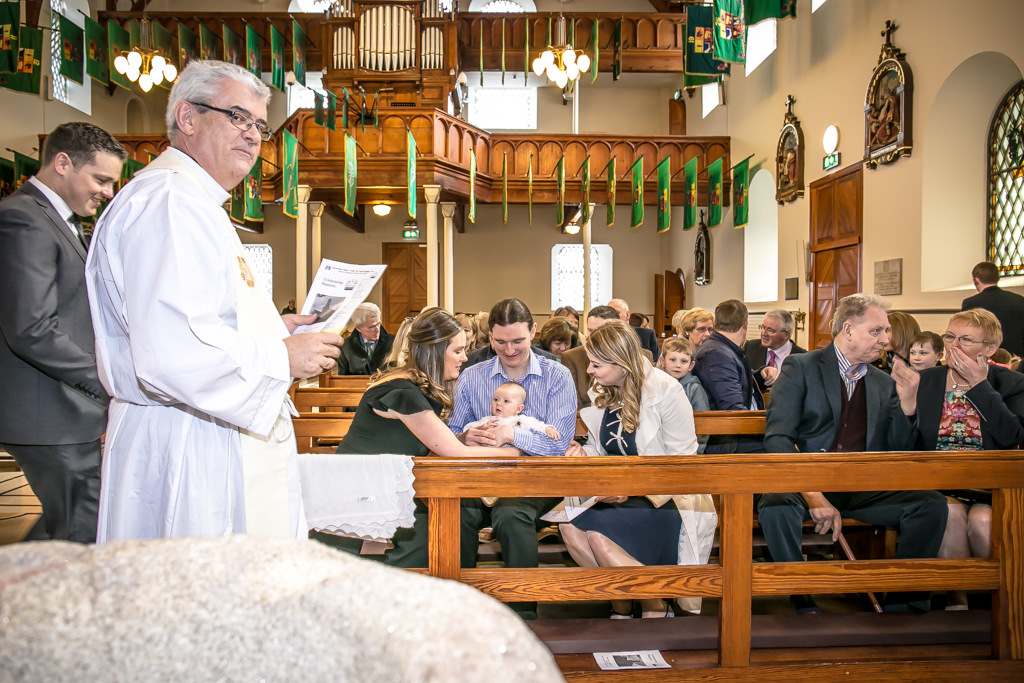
(403, 411)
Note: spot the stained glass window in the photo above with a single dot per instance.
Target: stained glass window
(503, 7)
(261, 259)
(567, 275)
(1006, 185)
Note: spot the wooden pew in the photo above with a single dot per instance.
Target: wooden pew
(329, 381)
(736, 579)
(307, 399)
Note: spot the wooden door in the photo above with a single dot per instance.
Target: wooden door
(836, 234)
(676, 117)
(404, 282)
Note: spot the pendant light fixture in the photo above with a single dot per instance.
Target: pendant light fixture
(144, 64)
(561, 62)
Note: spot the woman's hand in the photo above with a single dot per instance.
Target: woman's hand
(611, 499)
(907, 380)
(974, 370)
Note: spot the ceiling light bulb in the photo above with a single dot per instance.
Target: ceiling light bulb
(158, 63)
(132, 73)
(583, 62)
(572, 71)
(145, 82)
(381, 209)
(157, 75)
(120, 64)
(552, 72)
(538, 66)
(170, 72)
(572, 229)
(569, 57)
(547, 58)
(134, 59)
(561, 79)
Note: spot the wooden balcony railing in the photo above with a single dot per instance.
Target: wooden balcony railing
(443, 481)
(651, 43)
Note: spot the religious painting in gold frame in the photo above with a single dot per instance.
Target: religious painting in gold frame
(789, 158)
(888, 106)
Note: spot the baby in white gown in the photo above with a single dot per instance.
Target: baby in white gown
(508, 402)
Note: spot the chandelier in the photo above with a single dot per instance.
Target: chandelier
(144, 64)
(560, 61)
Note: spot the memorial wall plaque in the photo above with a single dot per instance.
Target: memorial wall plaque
(889, 277)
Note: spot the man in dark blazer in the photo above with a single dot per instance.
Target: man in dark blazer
(53, 408)
(727, 377)
(767, 354)
(366, 349)
(1006, 306)
(577, 361)
(648, 338)
(832, 400)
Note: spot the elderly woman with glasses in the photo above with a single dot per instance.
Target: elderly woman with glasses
(967, 405)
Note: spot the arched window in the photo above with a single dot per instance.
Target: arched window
(1006, 184)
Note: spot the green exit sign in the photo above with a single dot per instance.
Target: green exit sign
(830, 161)
(411, 233)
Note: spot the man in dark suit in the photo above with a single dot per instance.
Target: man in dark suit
(767, 354)
(648, 338)
(577, 361)
(725, 372)
(366, 349)
(832, 400)
(1006, 306)
(53, 408)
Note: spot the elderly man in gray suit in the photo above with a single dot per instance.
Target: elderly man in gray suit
(53, 408)
(832, 400)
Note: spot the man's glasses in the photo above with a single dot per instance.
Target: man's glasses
(964, 340)
(767, 329)
(240, 120)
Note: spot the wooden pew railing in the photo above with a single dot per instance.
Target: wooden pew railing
(444, 481)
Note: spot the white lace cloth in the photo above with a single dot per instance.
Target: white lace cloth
(364, 496)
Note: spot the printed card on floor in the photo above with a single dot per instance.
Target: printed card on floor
(638, 659)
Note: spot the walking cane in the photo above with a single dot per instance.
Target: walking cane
(849, 554)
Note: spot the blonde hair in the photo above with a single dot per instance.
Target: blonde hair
(466, 320)
(615, 343)
(676, 345)
(483, 330)
(979, 317)
(429, 336)
(677, 320)
(692, 318)
(400, 347)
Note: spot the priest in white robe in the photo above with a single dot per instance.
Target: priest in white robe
(199, 439)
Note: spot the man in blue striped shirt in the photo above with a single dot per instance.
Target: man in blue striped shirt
(550, 397)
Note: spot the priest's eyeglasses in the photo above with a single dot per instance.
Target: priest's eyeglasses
(240, 120)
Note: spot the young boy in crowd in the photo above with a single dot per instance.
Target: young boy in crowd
(925, 351)
(677, 360)
(508, 402)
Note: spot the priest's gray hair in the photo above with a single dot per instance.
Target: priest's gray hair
(200, 82)
(784, 317)
(853, 307)
(363, 312)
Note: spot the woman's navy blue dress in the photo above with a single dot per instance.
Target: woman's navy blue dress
(649, 534)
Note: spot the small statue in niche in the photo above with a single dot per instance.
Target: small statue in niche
(702, 254)
(789, 158)
(888, 115)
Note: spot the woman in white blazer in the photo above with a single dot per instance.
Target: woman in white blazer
(638, 409)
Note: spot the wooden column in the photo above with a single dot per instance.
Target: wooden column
(1008, 600)
(316, 210)
(431, 193)
(443, 528)
(735, 551)
(585, 230)
(301, 248)
(448, 250)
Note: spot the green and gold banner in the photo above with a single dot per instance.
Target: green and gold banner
(72, 52)
(27, 68)
(332, 111)
(276, 58)
(740, 189)
(699, 55)
(134, 34)
(318, 109)
(163, 43)
(664, 195)
(24, 167)
(237, 206)
(290, 175)
(609, 172)
(730, 31)
(254, 192)
(96, 59)
(188, 46)
(232, 45)
(585, 200)
(560, 191)
(128, 171)
(299, 52)
(472, 186)
(756, 11)
(504, 188)
(252, 51)
(410, 173)
(350, 174)
(690, 183)
(637, 192)
(118, 42)
(10, 21)
(207, 42)
(617, 52)
(6, 177)
(715, 193)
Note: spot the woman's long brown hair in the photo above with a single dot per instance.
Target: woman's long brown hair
(615, 343)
